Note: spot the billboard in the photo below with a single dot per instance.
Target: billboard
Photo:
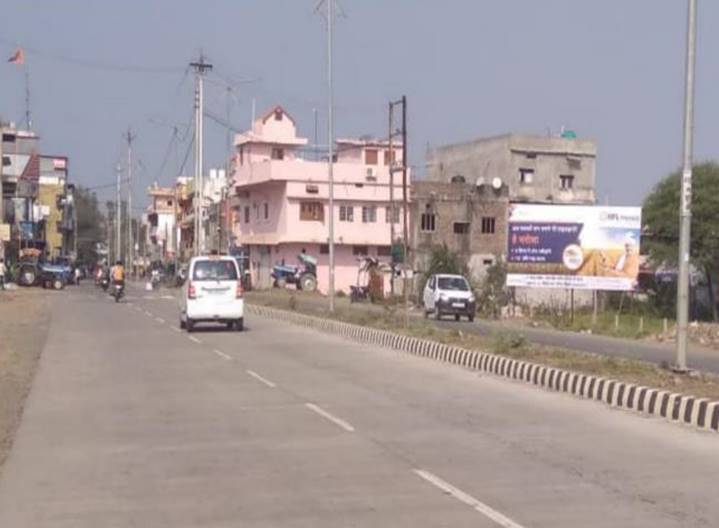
(573, 246)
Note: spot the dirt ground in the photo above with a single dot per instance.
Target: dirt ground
(24, 324)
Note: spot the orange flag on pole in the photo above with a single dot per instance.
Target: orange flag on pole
(18, 57)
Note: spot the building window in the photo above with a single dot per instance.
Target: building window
(526, 176)
(427, 222)
(488, 225)
(369, 214)
(488, 262)
(257, 211)
(384, 251)
(566, 182)
(531, 155)
(388, 157)
(389, 217)
(247, 214)
(360, 251)
(347, 213)
(370, 157)
(169, 203)
(278, 153)
(324, 249)
(461, 228)
(458, 178)
(312, 212)
(278, 115)
(266, 208)
(311, 188)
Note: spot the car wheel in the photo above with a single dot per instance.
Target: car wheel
(281, 283)
(456, 317)
(190, 326)
(182, 324)
(240, 324)
(471, 317)
(58, 284)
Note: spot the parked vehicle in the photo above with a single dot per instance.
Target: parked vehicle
(304, 276)
(449, 295)
(213, 293)
(32, 271)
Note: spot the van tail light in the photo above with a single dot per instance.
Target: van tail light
(239, 291)
(191, 293)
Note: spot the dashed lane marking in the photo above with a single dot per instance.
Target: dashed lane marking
(160, 320)
(332, 418)
(193, 338)
(222, 355)
(261, 379)
(467, 499)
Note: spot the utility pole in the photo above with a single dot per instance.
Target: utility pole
(685, 213)
(402, 104)
(129, 137)
(330, 158)
(2, 205)
(118, 216)
(390, 137)
(200, 66)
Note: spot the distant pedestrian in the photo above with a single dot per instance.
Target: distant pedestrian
(3, 270)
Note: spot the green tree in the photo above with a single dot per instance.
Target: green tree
(661, 217)
(444, 260)
(493, 293)
(90, 225)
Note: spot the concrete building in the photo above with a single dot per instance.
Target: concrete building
(470, 219)
(57, 204)
(283, 208)
(161, 222)
(534, 168)
(37, 200)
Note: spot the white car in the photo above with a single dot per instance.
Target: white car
(446, 294)
(212, 293)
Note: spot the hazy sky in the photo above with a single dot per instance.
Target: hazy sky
(611, 70)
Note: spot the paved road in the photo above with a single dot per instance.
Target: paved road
(700, 358)
(133, 423)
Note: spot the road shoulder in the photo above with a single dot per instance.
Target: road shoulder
(24, 326)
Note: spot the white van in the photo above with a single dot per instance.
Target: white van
(212, 293)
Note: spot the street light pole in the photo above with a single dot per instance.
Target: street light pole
(685, 213)
(330, 160)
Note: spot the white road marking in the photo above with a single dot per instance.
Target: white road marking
(148, 313)
(160, 320)
(193, 338)
(176, 329)
(337, 421)
(261, 379)
(222, 355)
(169, 297)
(460, 495)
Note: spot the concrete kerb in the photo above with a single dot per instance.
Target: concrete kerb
(699, 413)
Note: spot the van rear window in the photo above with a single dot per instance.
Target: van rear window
(214, 270)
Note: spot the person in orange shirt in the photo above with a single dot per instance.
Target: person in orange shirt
(117, 274)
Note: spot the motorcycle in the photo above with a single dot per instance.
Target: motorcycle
(104, 283)
(118, 291)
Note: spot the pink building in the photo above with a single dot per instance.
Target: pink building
(283, 201)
